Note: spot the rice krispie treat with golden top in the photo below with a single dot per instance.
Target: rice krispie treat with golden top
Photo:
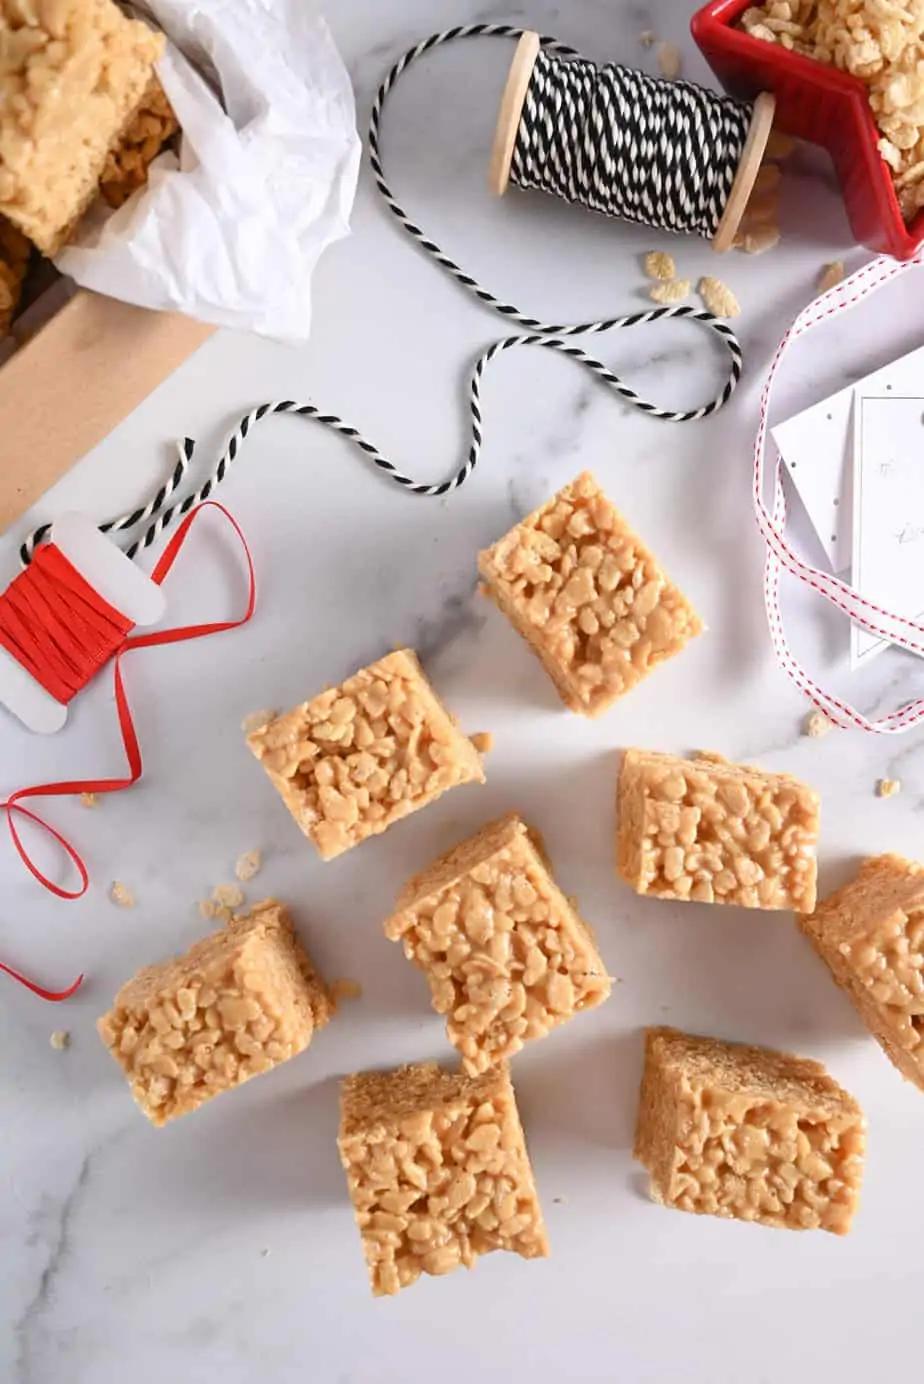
(14, 264)
(438, 1171)
(360, 756)
(749, 1134)
(238, 1003)
(507, 957)
(127, 166)
(72, 74)
(587, 596)
(715, 832)
(870, 934)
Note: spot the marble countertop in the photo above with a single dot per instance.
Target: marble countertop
(223, 1248)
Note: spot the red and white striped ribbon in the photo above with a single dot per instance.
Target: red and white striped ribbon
(908, 634)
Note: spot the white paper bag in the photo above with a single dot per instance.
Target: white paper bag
(231, 234)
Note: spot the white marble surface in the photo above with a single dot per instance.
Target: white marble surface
(223, 1249)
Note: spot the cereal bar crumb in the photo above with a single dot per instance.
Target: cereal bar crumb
(830, 276)
(669, 61)
(238, 1003)
(127, 165)
(718, 297)
(483, 740)
(89, 800)
(659, 265)
(888, 788)
(122, 895)
(748, 1134)
(257, 720)
(206, 908)
(648, 38)
(60, 1040)
(346, 989)
(816, 724)
(672, 291)
(761, 239)
(248, 865)
(228, 895)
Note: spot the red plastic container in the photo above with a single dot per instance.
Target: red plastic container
(820, 104)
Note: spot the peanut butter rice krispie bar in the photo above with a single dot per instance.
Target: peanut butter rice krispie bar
(715, 832)
(72, 75)
(127, 165)
(360, 756)
(870, 934)
(748, 1134)
(587, 596)
(438, 1171)
(14, 264)
(506, 955)
(238, 1003)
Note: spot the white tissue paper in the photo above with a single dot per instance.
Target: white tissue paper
(232, 232)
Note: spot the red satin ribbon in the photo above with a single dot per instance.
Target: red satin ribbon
(13, 805)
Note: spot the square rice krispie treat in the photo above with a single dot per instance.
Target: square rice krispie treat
(871, 936)
(238, 1003)
(747, 1133)
(587, 596)
(127, 166)
(437, 1170)
(360, 756)
(715, 832)
(14, 264)
(506, 955)
(72, 75)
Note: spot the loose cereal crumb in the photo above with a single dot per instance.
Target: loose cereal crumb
(816, 724)
(89, 800)
(206, 908)
(257, 720)
(122, 895)
(718, 297)
(779, 146)
(888, 788)
(248, 865)
(659, 265)
(228, 895)
(760, 239)
(60, 1040)
(483, 741)
(346, 989)
(648, 38)
(830, 276)
(673, 291)
(669, 61)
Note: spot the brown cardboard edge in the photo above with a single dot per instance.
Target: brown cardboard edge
(76, 380)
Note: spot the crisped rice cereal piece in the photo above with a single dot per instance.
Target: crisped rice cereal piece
(361, 756)
(238, 1003)
(659, 265)
(590, 600)
(748, 1134)
(760, 239)
(816, 724)
(718, 298)
(830, 276)
(437, 1170)
(72, 75)
(671, 291)
(669, 61)
(870, 935)
(506, 955)
(716, 832)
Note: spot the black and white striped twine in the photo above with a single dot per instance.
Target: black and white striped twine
(159, 513)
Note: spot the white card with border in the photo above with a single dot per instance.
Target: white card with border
(888, 510)
(817, 450)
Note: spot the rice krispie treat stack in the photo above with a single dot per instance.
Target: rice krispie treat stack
(588, 597)
(361, 756)
(748, 1134)
(127, 166)
(14, 264)
(438, 1171)
(506, 955)
(72, 75)
(870, 934)
(714, 832)
(237, 1004)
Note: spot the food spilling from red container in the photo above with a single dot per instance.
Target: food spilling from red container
(847, 75)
